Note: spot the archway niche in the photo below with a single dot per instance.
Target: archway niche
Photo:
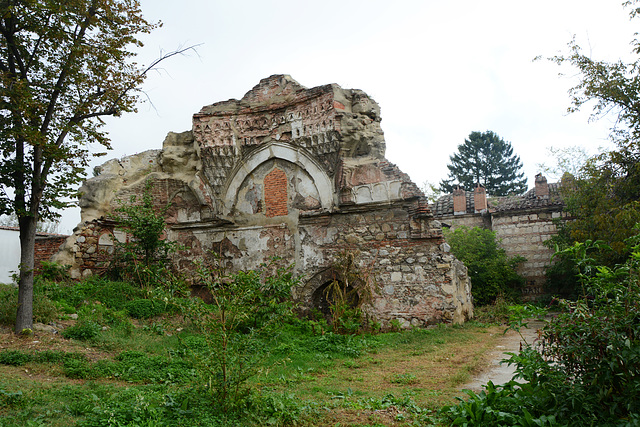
(322, 300)
(278, 153)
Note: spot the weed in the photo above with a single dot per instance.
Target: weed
(247, 309)
(144, 308)
(15, 357)
(350, 292)
(395, 325)
(8, 398)
(54, 272)
(404, 379)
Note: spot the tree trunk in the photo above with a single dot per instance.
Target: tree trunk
(24, 316)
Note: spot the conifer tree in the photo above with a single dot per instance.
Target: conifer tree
(488, 160)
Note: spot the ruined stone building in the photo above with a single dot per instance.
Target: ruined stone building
(522, 224)
(292, 172)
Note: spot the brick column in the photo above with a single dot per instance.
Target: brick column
(542, 188)
(459, 201)
(480, 199)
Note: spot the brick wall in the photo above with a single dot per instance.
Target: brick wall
(275, 193)
(45, 247)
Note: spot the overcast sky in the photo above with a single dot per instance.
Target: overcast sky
(439, 70)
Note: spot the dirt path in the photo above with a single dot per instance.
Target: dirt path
(495, 370)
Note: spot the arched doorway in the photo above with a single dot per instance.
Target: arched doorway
(326, 296)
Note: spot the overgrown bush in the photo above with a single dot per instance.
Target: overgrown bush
(491, 271)
(82, 331)
(144, 308)
(44, 309)
(143, 259)
(247, 309)
(349, 293)
(585, 369)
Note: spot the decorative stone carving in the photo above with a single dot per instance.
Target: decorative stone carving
(296, 173)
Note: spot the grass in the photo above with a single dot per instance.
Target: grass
(136, 372)
(430, 364)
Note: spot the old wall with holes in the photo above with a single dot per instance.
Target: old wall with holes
(290, 172)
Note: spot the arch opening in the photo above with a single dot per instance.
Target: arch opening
(330, 293)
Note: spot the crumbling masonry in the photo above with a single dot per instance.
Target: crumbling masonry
(290, 172)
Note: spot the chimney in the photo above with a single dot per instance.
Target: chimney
(480, 199)
(542, 188)
(459, 201)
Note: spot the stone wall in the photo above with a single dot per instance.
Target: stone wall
(290, 172)
(522, 224)
(523, 233)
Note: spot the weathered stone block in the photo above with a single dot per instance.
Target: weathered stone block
(296, 173)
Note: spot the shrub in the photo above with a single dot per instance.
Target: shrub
(491, 271)
(14, 357)
(247, 308)
(585, 369)
(347, 295)
(82, 331)
(144, 308)
(144, 258)
(54, 272)
(8, 304)
(44, 309)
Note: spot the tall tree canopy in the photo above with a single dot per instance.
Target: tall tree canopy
(605, 197)
(63, 65)
(485, 159)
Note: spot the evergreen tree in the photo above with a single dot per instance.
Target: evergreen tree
(485, 159)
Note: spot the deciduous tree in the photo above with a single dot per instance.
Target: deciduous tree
(605, 197)
(486, 159)
(63, 66)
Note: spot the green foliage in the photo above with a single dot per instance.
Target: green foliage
(44, 309)
(138, 407)
(585, 368)
(404, 379)
(14, 357)
(54, 272)
(492, 273)
(7, 398)
(83, 331)
(349, 293)
(112, 294)
(144, 258)
(63, 66)
(247, 308)
(497, 312)
(19, 358)
(144, 308)
(488, 160)
(602, 210)
(133, 366)
(604, 198)
(501, 405)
